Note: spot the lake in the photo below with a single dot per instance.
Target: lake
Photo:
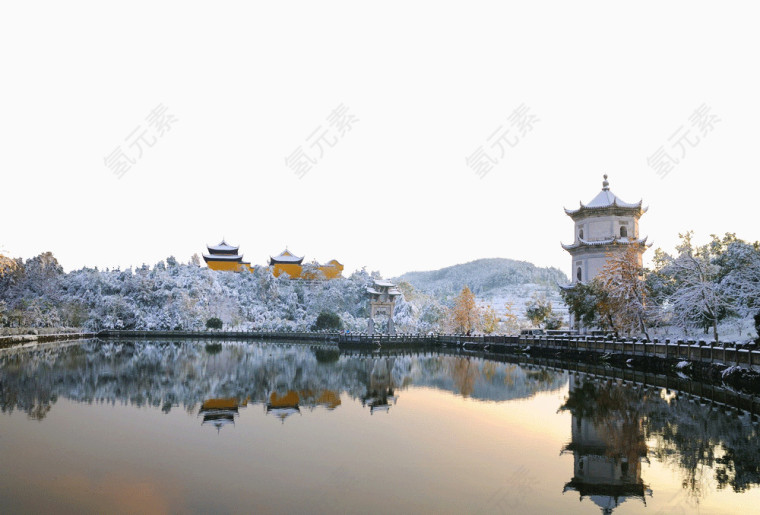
(241, 427)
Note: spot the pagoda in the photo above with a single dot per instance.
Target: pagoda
(225, 257)
(605, 227)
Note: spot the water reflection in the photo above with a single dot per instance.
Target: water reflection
(608, 442)
(617, 426)
(222, 378)
(220, 412)
(616, 438)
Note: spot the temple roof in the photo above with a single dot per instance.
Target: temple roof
(610, 241)
(605, 199)
(222, 257)
(222, 247)
(285, 257)
(383, 287)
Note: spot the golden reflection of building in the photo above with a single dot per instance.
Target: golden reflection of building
(380, 389)
(608, 449)
(220, 412)
(284, 405)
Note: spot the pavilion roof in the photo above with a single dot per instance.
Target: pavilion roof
(285, 257)
(222, 247)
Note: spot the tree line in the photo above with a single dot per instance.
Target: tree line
(694, 290)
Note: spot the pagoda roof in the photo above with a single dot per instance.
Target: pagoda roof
(602, 492)
(285, 257)
(222, 247)
(382, 282)
(610, 241)
(222, 257)
(605, 199)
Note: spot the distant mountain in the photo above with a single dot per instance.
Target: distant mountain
(494, 280)
(483, 276)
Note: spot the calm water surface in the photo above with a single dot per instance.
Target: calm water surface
(165, 427)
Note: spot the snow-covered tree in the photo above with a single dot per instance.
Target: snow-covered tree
(740, 276)
(465, 314)
(538, 309)
(490, 320)
(624, 297)
(691, 283)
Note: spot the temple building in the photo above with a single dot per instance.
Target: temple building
(288, 263)
(225, 257)
(604, 227)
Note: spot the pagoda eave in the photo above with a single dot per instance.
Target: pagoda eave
(613, 242)
(614, 209)
(221, 257)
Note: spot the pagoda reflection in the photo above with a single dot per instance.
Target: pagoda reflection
(220, 412)
(607, 442)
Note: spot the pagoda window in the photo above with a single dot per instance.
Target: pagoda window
(623, 232)
(579, 274)
(580, 234)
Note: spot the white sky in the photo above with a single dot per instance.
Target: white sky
(248, 82)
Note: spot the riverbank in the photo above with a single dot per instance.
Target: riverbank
(31, 339)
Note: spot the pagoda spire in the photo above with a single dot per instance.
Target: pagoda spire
(605, 183)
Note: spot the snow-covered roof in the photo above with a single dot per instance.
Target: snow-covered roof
(390, 291)
(286, 257)
(222, 257)
(382, 282)
(610, 241)
(605, 199)
(222, 247)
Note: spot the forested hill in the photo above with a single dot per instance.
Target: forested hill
(484, 277)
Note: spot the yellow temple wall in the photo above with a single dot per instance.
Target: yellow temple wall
(330, 271)
(228, 266)
(293, 270)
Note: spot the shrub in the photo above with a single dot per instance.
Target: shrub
(327, 320)
(214, 323)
